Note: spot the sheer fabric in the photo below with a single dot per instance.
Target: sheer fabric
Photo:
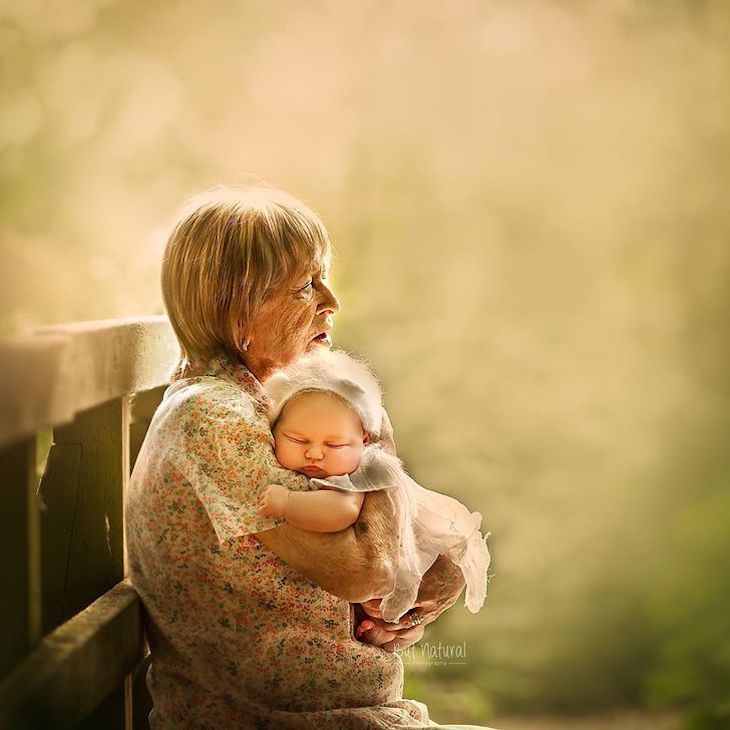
(429, 524)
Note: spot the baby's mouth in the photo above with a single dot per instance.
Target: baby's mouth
(312, 470)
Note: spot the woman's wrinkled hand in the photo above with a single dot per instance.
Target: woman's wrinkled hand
(374, 630)
(272, 501)
(372, 607)
(390, 637)
(440, 586)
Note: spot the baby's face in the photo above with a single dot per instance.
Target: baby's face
(319, 436)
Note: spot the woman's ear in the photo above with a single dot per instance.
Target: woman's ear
(243, 339)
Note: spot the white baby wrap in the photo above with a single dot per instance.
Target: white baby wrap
(429, 523)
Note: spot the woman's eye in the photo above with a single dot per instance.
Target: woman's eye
(308, 285)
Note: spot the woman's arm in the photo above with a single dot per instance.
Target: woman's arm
(326, 510)
(440, 586)
(223, 448)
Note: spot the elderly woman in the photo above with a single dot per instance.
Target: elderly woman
(250, 620)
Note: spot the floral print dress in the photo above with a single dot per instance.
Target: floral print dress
(238, 638)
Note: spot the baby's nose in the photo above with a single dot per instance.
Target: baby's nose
(313, 452)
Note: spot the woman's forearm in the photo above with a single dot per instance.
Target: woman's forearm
(357, 563)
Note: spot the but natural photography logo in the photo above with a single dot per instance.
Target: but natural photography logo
(439, 654)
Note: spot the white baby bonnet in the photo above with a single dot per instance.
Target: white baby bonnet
(430, 523)
(333, 371)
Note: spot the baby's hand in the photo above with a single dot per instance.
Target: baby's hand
(272, 501)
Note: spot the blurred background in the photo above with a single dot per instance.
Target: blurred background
(530, 206)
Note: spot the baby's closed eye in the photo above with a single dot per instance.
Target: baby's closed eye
(296, 440)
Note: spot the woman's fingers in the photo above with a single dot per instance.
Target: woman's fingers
(404, 624)
(377, 636)
(411, 635)
(404, 639)
(414, 617)
(406, 621)
(388, 636)
(372, 607)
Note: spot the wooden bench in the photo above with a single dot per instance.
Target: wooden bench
(75, 403)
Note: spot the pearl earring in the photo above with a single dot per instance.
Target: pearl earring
(245, 344)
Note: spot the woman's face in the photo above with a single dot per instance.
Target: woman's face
(292, 321)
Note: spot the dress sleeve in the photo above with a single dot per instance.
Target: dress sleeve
(224, 450)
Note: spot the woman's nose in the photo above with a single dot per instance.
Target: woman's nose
(329, 303)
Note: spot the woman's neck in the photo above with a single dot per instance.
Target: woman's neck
(261, 368)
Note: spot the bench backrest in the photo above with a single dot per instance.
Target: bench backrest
(75, 403)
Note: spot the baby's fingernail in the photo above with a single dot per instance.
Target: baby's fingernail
(366, 625)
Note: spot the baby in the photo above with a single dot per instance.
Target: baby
(327, 417)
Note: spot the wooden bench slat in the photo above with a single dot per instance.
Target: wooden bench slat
(74, 668)
(54, 373)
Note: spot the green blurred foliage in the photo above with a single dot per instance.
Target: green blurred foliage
(530, 206)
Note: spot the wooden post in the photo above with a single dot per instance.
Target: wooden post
(82, 529)
(20, 591)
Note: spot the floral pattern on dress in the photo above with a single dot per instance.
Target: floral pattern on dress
(238, 638)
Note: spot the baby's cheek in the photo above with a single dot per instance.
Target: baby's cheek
(353, 460)
(281, 455)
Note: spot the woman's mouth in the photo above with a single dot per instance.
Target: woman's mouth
(323, 338)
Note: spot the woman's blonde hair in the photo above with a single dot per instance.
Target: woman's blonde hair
(230, 248)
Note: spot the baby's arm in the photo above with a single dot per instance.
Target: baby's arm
(324, 510)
